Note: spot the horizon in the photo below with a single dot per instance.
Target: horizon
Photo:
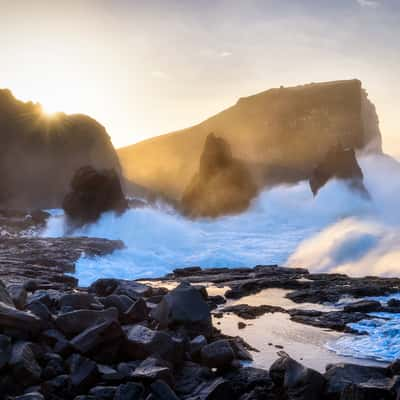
(159, 68)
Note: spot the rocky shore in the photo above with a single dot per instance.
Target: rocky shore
(123, 339)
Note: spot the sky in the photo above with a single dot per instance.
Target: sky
(147, 67)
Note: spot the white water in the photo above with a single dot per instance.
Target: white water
(336, 231)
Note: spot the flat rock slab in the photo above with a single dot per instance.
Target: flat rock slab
(46, 260)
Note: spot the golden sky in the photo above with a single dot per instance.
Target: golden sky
(146, 67)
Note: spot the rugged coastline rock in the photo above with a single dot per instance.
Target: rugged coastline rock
(280, 135)
(222, 185)
(93, 192)
(39, 154)
(338, 163)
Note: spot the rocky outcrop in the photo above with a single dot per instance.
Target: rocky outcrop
(43, 262)
(280, 134)
(338, 163)
(39, 154)
(223, 184)
(92, 193)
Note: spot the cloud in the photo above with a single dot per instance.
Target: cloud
(368, 3)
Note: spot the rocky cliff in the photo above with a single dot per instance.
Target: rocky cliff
(223, 184)
(281, 134)
(40, 154)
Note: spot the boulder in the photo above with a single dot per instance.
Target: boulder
(217, 389)
(129, 391)
(184, 306)
(196, 344)
(299, 382)
(97, 337)
(338, 163)
(370, 390)
(19, 321)
(84, 373)
(80, 301)
(143, 342)
(74, 322)
(25, 368)
(92, 193)
(58, 388)
(189, 377)
(339, 376)
(120, 302)
(222, 185)
(151, 370)
(218, 354)
(134, 290)
(137, 312)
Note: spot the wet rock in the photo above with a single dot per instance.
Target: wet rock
(335, 320)
(143, 342)
(121, 302)
(5, 350)
(54, 366)
(18, 295)
(19, 321)
(364, 306)
(74, 322)
(103, 392)
(217, 389)
(189, 377)
(40, 310)
(218, 354)
(84, 373)
(162, 391)
(137, 312)
(244, 380)
(80, 301)
(152, 369)
(97, 336)
(92, 193)
(370, 390)
(129, 391)
(184, 306)
(109, 374)
(132, 289)
(299, 382)
(25, 368)
(339, 376)
(251, 312)
(395, 303)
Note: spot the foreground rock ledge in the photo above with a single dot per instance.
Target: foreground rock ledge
(123, 339)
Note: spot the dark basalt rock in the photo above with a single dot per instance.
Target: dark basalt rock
(364, 306)
(338, 163)
(251, 312)
(299, 382)
(129, 391)
(162, 391)
(339, 376)
(132, 289)
(92, 193)
(218, 354)
(5, 350)
(84, 373)
(184, 306)
(222, 185)
(74, 322)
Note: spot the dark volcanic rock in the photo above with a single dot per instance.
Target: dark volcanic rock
(92, 193)
(223, 184)
(132, 289)
(251, 312)
(74, 322)
(184, 306)
(339, 376)
(364, 306)
(339, 163)
(84, 372)
(41, 263)
(218, 354)
(129, 391)
(300, 382)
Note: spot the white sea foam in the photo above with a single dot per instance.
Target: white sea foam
(336, 231)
